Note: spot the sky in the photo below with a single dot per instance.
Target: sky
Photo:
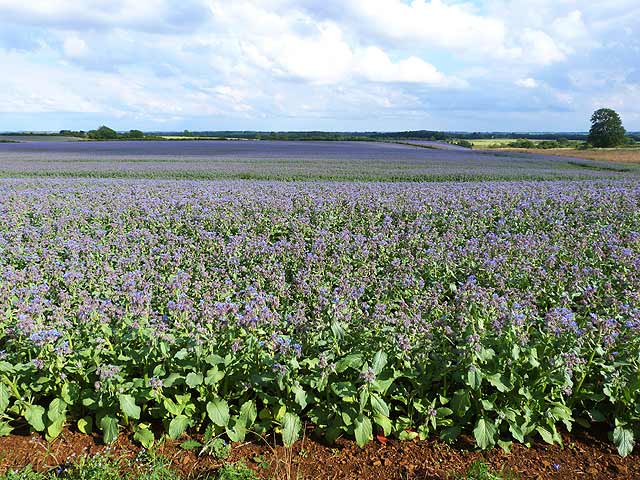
(339, 65)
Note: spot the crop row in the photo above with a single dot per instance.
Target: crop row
(506, 310)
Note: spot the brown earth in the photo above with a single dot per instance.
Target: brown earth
(619, 155)
(585, 455)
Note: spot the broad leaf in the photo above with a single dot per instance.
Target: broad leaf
(178, 426)
(109, 427)
(144, 437)
(129, 407)
(623, 440)
(34, 415)
(4, 398)
(291, 426)
(363, 430)
(218, 411)
(248, 413)
(379, 406)
(379, 362)
(194, 379)
(485, 433)
(474, 377)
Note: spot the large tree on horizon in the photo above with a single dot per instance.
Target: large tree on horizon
(606, 129)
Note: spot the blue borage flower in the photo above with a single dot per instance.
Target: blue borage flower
(483, 284)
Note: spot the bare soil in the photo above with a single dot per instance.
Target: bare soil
(585, 455)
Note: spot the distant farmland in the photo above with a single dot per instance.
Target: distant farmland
(279, 160)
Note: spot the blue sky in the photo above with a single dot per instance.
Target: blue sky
(519, 65)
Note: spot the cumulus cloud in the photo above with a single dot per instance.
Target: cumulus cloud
(421, 63)
(75, 47)
(527, 82)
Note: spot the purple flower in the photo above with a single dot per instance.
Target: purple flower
(106, 372)
(155, 383)
(368, 375)
(39, 364)
(42, 337)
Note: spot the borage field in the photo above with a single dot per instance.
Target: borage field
(501, 311)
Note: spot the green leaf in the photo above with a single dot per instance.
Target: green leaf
(485, 433)
(248, 413)
(561, 412)
(460, 402)
(384, 423)
(4, 398)
(182, 354)
(354, 361)
(129, 407)
(172, 407)
(144, 437)
(34, 416)
(213, 376)
(505, 445)
(178, 426)
(70, 393)
(300, 396)
(218, 411)
(623, 440)
(55, 429)
(450, 434)
(171, 380)
(486, 354)
(194, 379)
(291, 426)
(85, 425)
(109, 427)
(344, 389)
(516, 431)
(237, 433)
(190, 445)
(474, 377)
(57, 410)
(546, 435)
(497, 381)
(379, 406)
(5, 429)
(443, 412)
(363, 430)
(379, 362)
(407, 435)
(214, 359)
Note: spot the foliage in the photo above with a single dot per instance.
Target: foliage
(606, 129)
(147, 466)
(236, 471)
(134, 134)
(481, 471)
(504, 310)
(103, 133)
(462, 143)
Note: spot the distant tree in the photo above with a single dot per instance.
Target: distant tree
(606, 129)
(135, 134)
(103, 133)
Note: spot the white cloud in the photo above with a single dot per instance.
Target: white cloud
(74, 47)
(317, 59)
(540, 48)
(376, 66)
(527, 82)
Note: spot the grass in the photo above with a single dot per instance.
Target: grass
(481, 471)
(490, 142)
(147, 466)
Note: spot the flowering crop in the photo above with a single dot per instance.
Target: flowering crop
(361, 161)
(503, 309)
